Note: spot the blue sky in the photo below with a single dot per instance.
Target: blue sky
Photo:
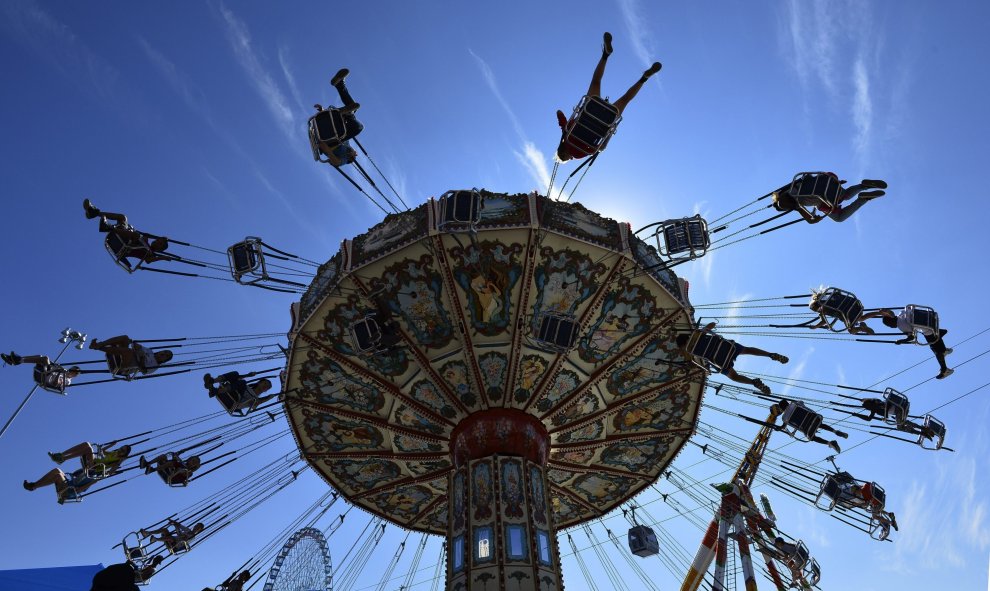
(192, 121)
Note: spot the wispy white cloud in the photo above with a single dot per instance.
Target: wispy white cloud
(240, 41)
(862, 109)
(640, 36)
(732, 314)
(797, 370)
(535, 162)
(820, 41)
(707, 262)
(813, 40)
(528, 155)
(290, 79)
(492, 83)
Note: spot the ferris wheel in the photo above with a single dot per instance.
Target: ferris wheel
(303, 564)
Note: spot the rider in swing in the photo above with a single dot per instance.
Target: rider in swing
(340, 152)
(573, 148)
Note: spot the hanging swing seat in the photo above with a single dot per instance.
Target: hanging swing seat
(800, 422)
(932, 434)
(835, 305)
(879, 528)
(135, 552)
(643, 541)
(459, 210)
(712, 352)
(142, 360)
(51, 378)
(122, 249)
(366, 335)
(247, 261)
(821, 188)
(237, 397)
(173, 471)
(590, 127)
(800, 557)
(556, 332)
(330, 128)
(896, 407)
(923, 320)
(812, 573)
(683, 239)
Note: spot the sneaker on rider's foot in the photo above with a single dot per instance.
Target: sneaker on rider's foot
(835, 445)
(875, 183)
(872, 194)
(339, 76)
(56, 457)
(948, 351)
(27, 485)
(91, 210)
(653, 69)
(607, 44)
(12, 359)
(945, 373)
(779, 358)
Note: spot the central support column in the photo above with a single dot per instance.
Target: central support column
(500, 532)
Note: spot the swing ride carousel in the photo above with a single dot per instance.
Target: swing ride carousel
(492, 368)
(495, 369)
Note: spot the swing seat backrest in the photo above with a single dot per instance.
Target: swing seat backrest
(828, 494)
(331, 126)
(70, 494)
(897, 407)
(937, 430)
(247, 259)
(840, 305)
(801, 422)
(237, 399)
(879, 497)
(115, 363)
(175, 476)
(643, 541)
(688, 235)
(711, 351)
(459, 209)
(120, 249)
(801, 555)
(592, 124)
(924, 318)
(326, 127)
(51, 379)
(557, 332)
(179, 547)
(813, 573)
(820, 186)
(366, 335)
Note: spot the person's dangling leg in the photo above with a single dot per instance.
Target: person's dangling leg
(119, 219)
(53, 476)
(83, 450)
(937, 345)
(843, 213)
(634, 89)
(733, 375)
(345, 97)
(842, 434)
(595, 88)
(743, 350)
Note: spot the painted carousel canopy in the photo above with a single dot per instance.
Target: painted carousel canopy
(534, 305)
